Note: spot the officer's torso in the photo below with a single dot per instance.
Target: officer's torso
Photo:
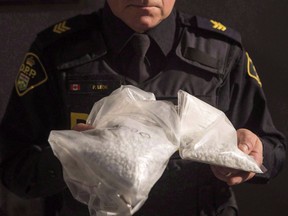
(198, 65)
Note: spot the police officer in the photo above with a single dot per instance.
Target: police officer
(80, 60)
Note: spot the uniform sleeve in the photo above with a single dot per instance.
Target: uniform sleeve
(249, 109)
(28, 166)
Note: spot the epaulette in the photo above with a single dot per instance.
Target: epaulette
(218, 28)
(65, 28)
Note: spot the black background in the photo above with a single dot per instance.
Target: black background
(262, 24)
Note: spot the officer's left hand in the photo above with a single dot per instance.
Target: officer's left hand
(250, 144)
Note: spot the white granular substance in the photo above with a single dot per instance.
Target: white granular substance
(128, 156)
(125, 160)
(207, 136)
(232, 159)
(113, 167)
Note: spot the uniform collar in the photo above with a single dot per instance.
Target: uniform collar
(164, 33)
(117, 33)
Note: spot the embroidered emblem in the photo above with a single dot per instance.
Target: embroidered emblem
(30, 75)
(251, 70)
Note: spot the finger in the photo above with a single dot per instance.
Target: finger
(244, 147)
(248, 141)
(231, 176)
(257, 152)
(217, 173)
(250, 144)
(228, 174)
(223, 173)
(240, 178)
(82, 127)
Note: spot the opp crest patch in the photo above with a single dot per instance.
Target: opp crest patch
(31, 74)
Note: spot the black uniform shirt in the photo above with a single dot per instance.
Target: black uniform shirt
(117, 35)
(207, 62)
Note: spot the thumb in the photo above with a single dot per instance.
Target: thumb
(245, 140)
(244, 147)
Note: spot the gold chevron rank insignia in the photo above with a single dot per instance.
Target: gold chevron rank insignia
(61, 27)
(218, 25)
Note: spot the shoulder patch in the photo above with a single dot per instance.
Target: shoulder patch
(215, 26)
(31, 74)
(251, 70)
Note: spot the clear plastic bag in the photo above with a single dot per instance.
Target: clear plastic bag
(208, 136)
(113, 167)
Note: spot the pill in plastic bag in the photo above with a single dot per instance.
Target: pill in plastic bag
(208, 136)
(113, 167)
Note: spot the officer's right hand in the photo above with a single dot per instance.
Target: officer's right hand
(82, 127)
